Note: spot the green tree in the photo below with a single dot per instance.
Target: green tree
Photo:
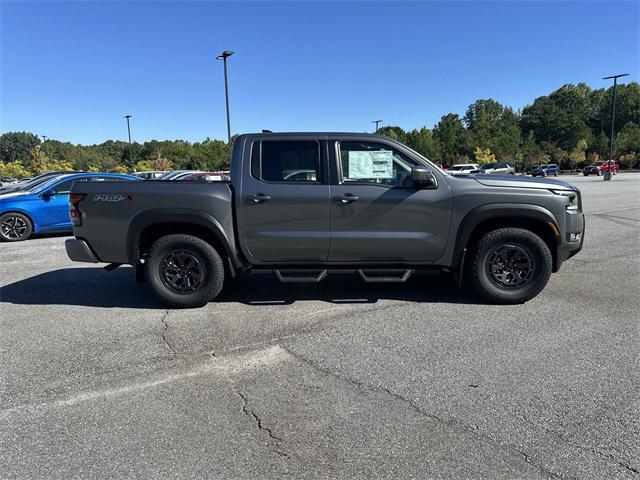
(451, 136)
(577, 154)
(628, 140)
(18, 146)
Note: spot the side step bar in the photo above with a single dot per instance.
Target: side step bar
(369, 275)
(300, 275)
(385, 275)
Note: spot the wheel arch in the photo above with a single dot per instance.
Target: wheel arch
(148, 226)
(490, 217)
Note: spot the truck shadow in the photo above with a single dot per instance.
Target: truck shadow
(94, 287)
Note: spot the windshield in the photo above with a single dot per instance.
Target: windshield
(48, 183)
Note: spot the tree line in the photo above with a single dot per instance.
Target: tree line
(570, 127)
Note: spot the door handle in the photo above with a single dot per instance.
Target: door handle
(260, 197)
(348, 198)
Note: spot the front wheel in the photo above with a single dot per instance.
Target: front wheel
(184, 271)
(15, 227)
(509, 265)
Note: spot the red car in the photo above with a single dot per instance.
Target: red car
(599, 168)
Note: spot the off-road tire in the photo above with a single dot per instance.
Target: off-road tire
(208, 264)
(478, 270)
(25, 231)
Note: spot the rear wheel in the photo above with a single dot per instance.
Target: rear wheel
(184, 271)
(15, 227)
(509, 265)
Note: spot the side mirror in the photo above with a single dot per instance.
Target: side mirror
(47, 194)
(423, 177)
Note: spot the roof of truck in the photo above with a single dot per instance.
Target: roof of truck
(317, 134)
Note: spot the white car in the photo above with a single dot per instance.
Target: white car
(463, 168)
(497, 168)
(152, 175)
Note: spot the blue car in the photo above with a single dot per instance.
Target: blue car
(546, 170)
(45, 207)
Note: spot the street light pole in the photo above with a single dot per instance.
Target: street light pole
(44, 139)
(376, 122)
(609, 173)
(223, 56)
(129, 132)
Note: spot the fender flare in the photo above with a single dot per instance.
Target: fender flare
(177, 215)
(495, 211)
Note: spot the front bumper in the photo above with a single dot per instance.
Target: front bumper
(567, 248)
(79, 251)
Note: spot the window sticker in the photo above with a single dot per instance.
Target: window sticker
(370, 164)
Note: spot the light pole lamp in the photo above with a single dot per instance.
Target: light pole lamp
(609, 173)
(129, 132)
(223, 56)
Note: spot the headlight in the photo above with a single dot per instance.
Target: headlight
(571, 195)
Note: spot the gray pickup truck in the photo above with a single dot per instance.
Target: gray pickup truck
(304, 205)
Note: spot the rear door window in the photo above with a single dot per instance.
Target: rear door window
(286, 161)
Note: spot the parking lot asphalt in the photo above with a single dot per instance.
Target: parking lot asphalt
(337, 380)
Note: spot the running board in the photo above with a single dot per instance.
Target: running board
(292, 275)
(385, 275)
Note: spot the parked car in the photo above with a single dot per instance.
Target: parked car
(220, 176)
(177, 174)
(375, 207)
(497, 168)
(45, 208)
(152, 175)
(546, 170)
(6, 181)
(463, 168)
(33, 182)
(599, 168)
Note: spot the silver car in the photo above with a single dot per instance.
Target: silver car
(497, 168)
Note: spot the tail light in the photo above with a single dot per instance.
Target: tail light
(74, 211)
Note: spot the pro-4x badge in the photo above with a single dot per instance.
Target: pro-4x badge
(109, 197)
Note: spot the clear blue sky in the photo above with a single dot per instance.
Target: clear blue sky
(71, 70)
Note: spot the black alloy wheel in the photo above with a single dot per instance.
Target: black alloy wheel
(511, 266)
(182, 271)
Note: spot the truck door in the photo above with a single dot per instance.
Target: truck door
(284, 207)
(377, 215)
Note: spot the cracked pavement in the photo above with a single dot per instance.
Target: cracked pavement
(338, 380)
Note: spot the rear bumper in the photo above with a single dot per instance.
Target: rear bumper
(79, 251)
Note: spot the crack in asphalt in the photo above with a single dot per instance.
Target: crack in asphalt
(249, 412)
(165, 331)
(447, 422)
(606, 456)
